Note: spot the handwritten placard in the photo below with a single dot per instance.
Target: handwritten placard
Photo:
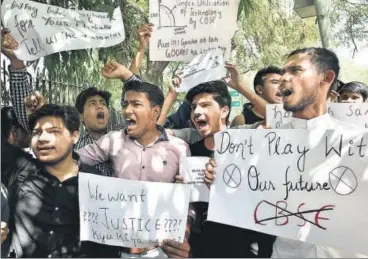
(206, 67)
(186, 28)
(42, 29)
(311, 188)
(193, 171)
(130, 213)
(354, 113)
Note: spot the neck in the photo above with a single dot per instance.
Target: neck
(65, 169)
(256, 112)
(209, 142)
(149, 137)
(97, 135)
(314, 110)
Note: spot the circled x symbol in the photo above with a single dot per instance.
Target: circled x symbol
(232, 176)
(343, 180)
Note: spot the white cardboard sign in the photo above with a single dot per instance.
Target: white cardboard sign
(131, 213)
(42, 29)
(193, 171)
(205, 67)
(311, 188)
(354, 113)
(184, 29)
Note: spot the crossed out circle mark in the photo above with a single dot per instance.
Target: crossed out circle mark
(232, 176)
(343, 180)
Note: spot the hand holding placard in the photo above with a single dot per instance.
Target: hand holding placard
(192, 169)
(129, 213)
(42, 29)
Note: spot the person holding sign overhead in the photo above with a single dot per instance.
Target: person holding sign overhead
(308, 77)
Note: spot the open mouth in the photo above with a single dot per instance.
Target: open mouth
(131, 122)
(279, 94)
(100, 116)
(201, 124)
(286, 93)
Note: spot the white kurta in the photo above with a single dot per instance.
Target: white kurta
(289, 248)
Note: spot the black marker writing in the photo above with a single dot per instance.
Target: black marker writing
(228, 146)
(33, 10)
(353, 148)
(275, 147)
(254, 182)
(23, 25)
(302, 186)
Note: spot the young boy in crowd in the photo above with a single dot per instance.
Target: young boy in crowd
(353, 92)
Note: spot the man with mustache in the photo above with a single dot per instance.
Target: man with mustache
(309, 75)
(43, 192)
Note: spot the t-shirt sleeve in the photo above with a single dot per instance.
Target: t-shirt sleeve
(97, 152)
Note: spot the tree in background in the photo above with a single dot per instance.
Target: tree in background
(349, 20)
(267, 31)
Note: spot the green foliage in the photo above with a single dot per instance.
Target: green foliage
(349, 20)
(269, 32)
(266, 32)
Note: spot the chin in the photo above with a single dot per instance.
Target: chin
(204, 134)
(48, 161)
(133, 135)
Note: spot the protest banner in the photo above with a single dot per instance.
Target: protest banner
(184, 29)
(354, 113)
(193, 169)
(130, 213)
(205, 67)
(42, 29)
(311, 188)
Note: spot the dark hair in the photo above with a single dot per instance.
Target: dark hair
(260, 77)
(219, 90)
(91, 91)
(355, 87)
(153, 92)
(8, 120)
(324, 59)
(68, 114)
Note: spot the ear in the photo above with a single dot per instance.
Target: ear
(156, 111)
(328, 78)
(259, 89)
(12, 135)
(81, 116)
(225, 112)
(334, 96)
(75, 136)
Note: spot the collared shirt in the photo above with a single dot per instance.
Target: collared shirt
(289, 248)
(105, 168)
(157, 162)
(44, 212)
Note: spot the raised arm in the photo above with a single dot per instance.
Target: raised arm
(144, 35)
(169, 100)
(20, 86)
(237, 84)
(97, 152)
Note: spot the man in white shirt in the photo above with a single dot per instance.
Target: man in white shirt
(308, 77)
(307, 80)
